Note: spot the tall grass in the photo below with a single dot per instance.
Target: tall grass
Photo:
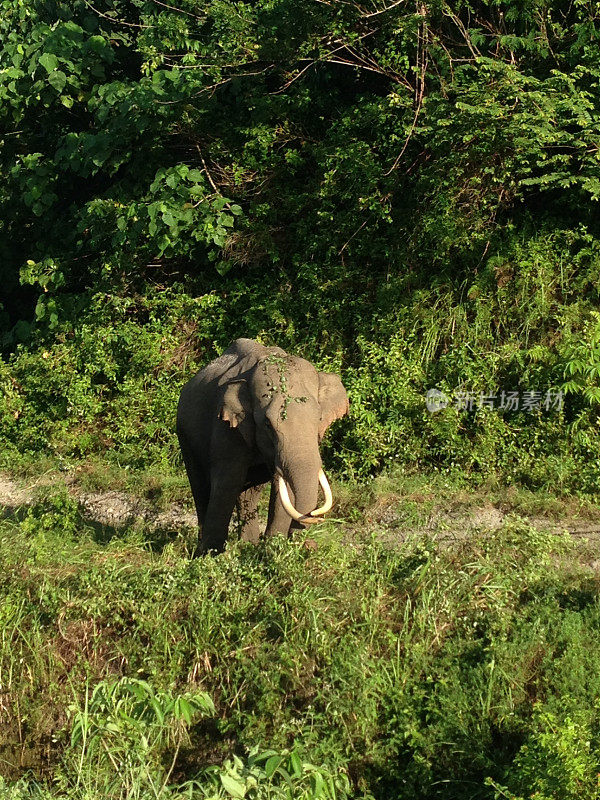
(281, 671)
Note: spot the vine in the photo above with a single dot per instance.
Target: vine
(280, 363)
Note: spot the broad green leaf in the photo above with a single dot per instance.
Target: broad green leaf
(272, 763)
(57, 79)
(183, 710)
(296, 764)
(49, 61)
(222, 267)
(233, 787)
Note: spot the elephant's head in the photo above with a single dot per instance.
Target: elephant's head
(283, 408)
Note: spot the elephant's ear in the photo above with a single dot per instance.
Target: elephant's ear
(332, 399)
(235, 408)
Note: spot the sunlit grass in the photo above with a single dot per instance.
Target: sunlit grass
(417, 671)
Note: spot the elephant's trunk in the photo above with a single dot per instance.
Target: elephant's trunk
(305, 499)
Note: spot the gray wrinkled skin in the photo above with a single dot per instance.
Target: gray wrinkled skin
(251, 415)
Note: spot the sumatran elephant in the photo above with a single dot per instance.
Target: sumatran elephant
(256, 415)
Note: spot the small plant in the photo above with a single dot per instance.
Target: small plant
(582, 367)
(273, 776)
(559, 761)
(121, 736)
(126, 739)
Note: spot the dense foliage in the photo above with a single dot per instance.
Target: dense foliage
(404, 192)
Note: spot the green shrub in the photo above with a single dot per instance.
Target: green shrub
(121, 735)
(559, 761)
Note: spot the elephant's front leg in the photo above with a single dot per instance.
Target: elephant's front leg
(279, 520)
(248, 511)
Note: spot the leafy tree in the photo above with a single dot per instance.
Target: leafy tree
(331, 171)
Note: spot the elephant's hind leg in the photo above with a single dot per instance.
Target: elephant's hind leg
(248, 511)
(199, 483)
(223, 498)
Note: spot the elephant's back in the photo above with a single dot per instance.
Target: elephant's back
(235, 363)
(241, 356)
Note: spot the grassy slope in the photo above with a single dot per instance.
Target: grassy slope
(416, 671)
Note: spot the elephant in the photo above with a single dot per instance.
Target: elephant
(252, 416)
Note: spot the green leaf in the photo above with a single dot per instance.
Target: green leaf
(318, 784)
(296, 764)
(222, 267)
(272, 765)
(233, 787)
(204, 703)
(286, 776)
(40, 309)
(183, 710)
(49, 61)
(58, 80)
(99, 45)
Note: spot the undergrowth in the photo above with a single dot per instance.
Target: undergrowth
(283, 671)
(104, 386)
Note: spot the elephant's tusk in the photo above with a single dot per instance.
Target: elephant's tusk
(314, 516)
(284, 496)
(318, 512)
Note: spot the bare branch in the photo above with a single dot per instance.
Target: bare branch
(179, 10)
(383, 10)
(358, 230)
(208, 175)
(408, 138)
(461, 27)
(117, 21)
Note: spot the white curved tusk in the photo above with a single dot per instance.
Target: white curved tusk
(328, 496)
(314, 516)
(284, 496)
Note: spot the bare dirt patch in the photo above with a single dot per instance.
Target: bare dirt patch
(12, 495)
(114, 509)
(392, 517)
